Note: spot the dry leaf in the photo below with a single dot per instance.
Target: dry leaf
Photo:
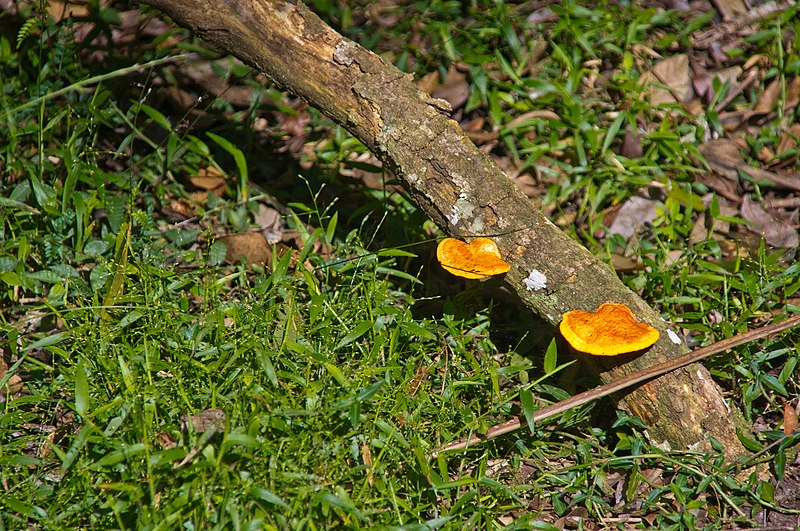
(209, 179)
(635, 212)
(789, 181)
(534, 117)
(271, 223)
(455, 88)
(789, 419)
(792, 93)
(541, 15)
(723, 157)
(724, 187)
(205, 420)
(729, 9)
(768, 98)
(675, 74)
(710, 225)
(776, 233)
(624, 264)
(12, 386)
(631, 144)
(59, 9)
(178, 210)
(250, 246)
(428, 82)
(789, 138)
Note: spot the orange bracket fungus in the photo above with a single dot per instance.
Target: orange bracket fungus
(609, 331)
(478, 259)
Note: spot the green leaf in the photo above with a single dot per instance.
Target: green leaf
(217, 253)
(154, 114)
(526, 400)
(396, 252)
(30, 25)
(10, 278)
(748, 441)
(127, 375)
(129, 318)
(766, 491)
(337, 374)
(81, 390)
(779, 463)
(361, 328)
(611, 134)
(368, 392)
(788, 370)
(75, 448)
(330, 232)
(118, 456)
(774, 384)
(238, 157)
(46, 341)
(416, 330)
(551, 357)
(265, 495)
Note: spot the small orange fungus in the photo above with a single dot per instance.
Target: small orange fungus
(478, 259)
(609, 331)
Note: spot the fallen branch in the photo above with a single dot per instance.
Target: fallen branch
(462, 190)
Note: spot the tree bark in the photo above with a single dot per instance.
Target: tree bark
(462, 191)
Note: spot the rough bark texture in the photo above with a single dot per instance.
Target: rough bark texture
(461, 190)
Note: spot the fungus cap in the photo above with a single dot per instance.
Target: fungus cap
(609, 331)
(478, 259)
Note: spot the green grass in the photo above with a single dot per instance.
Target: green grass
(165, 388)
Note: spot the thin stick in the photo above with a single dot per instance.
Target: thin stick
(625, 382)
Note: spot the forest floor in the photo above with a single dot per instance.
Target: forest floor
(219, 311)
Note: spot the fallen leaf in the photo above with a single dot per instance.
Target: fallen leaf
(631, 144)
(789, 138)
(205, 420)
(768, 98)
(789, 419)
(541, 15)
(707, 225)
(209, 179)
(270, 221)
(723, 157)
(12, 386)
(633, 215)
(729, 9)
(789, 181)
(674, 73)
(428, 82)
(455, 88)
(250, 246)
(624, 264)
(724, 187)
(792, 93)
(532, 118)
(59, 9)
(776, 233)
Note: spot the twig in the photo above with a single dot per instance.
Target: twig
(625, 382)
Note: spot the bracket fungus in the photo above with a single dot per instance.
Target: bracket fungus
(478, 259)
(609, 331)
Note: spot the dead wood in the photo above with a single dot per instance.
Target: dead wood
(462, 191)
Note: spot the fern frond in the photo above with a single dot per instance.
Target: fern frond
(30, 25)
